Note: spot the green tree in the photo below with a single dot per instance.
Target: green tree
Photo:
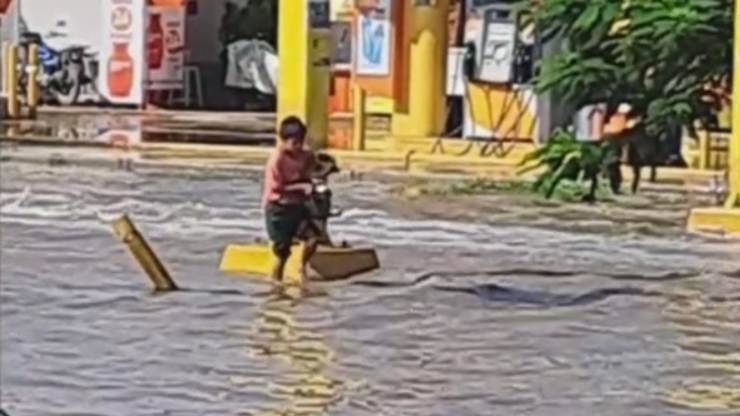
(671, 60)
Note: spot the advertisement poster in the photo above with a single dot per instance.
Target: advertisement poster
(122, 68)
(380, 9)
(166, 48)
(374, 39)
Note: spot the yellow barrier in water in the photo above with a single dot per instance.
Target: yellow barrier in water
(329, 263)
(125, 230)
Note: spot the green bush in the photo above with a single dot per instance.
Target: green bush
(564, 158)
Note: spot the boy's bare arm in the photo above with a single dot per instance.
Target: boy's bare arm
(278, 185)
(305, 187)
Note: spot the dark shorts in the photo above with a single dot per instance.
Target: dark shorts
(286, 223)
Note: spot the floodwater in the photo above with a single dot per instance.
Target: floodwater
(464, 318)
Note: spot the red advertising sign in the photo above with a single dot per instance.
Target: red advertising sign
(4, 5)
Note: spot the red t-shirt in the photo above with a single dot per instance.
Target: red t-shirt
(285, 168)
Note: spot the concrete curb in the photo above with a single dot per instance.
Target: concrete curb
(242, 158)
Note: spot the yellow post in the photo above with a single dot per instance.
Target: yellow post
(304, 48)
(125, 230)
(727, 218)
(734, 163)
(427, 68)
(358, 119)
(14, 107)
(33, 89)
(704, 149)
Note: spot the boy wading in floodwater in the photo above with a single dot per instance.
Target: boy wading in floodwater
(288, 187)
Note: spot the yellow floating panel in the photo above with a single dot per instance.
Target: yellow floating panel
(329, 263)
(336, 263)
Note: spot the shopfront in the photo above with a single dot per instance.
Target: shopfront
(128, 49)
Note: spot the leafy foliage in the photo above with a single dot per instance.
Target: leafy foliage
(565, 158)
(671, 60)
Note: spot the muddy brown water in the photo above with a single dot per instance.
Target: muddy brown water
(498, 314)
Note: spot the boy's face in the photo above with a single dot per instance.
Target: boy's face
(293, 144)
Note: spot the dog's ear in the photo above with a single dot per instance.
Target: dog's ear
(325, 165)
(327, 162)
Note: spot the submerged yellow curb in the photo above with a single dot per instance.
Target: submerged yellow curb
(724, 220)
(329, 263)
(412, 162)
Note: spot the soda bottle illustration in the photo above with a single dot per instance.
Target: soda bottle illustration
(120, 71)
(155, 42)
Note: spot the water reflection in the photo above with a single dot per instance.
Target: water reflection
(307, 387)
(708, 328)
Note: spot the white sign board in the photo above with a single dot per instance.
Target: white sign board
(122, 51)
(455, 74)
(9, 22)
(373, 50)
(497, 54)
(166, 47)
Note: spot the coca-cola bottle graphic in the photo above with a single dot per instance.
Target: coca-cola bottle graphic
(155, 41)
(120, 71)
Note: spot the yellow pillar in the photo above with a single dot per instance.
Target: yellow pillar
(304, 48)
(727, 218)
(14, 106)
(734, 165)
(33, 88)
(428, 29)
(358, 120)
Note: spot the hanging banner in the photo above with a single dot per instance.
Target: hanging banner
(166, 47)
(122, 51)
(373, 54)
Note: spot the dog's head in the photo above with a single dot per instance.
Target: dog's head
(325, 166)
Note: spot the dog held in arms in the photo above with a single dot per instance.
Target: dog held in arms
(319, 205)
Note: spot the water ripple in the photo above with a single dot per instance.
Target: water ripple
(464, 318)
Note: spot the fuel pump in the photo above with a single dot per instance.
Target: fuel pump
(491, 41)
(500, 103)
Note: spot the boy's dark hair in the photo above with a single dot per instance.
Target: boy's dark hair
(292, 127)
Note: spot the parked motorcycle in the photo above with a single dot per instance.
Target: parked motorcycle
(66, 74)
